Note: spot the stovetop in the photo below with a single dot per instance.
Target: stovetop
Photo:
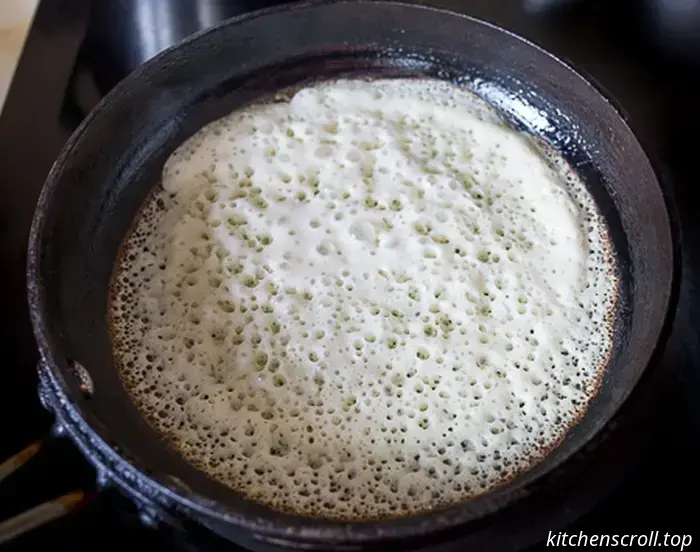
(642, 475)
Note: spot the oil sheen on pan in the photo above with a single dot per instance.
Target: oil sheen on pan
(371, 300)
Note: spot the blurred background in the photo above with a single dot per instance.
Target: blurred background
(15, 18)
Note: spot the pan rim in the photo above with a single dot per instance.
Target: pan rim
(306, 528)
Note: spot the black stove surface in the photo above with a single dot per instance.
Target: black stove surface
(642, 475)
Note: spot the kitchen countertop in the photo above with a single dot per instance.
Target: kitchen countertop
(15, 19)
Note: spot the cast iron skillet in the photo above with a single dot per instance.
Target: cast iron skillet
(112, 161)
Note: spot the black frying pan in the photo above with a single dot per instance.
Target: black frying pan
(112, 161)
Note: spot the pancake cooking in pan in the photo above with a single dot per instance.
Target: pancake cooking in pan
(366, 300)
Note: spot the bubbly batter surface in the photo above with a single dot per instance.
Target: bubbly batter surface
(372, 300)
